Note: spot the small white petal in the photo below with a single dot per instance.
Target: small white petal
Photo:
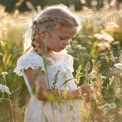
(4, 88)
(118, 66)
(4, 73)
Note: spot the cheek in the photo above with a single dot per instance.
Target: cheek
(55, 43)
(52, 43)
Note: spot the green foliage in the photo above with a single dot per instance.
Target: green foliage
(84, 48)
(10, 49)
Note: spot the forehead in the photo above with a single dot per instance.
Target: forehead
(63, 31)
(68, 31)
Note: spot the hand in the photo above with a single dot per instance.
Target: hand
(86, 89)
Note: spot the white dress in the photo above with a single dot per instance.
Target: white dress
(60, 67)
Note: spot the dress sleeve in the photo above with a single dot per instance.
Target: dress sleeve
(30, 60)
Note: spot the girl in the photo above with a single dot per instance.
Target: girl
(54, 95)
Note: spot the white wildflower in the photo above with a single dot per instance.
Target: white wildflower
(113, 24)
(4, 88)
(112, 106)
(4, 73)
(104, 36)
(118, 91)
(80, 47)
(107, 107)
(105, 110)
(118, 66)
(103, 45)
(75, 42)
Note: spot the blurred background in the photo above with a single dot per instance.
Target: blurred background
(97, 52)
(27, 5)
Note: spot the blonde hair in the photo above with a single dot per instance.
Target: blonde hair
(50, 18)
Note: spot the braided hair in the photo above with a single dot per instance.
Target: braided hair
(50, 18)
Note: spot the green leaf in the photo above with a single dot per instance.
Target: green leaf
(66, 81)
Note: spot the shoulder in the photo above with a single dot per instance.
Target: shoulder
(29, 60)
(30, 57)
(67, 57)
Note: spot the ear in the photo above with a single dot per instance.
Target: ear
(43, 34)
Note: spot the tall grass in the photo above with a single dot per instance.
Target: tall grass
(94, 62)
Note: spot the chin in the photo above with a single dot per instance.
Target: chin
(57, 51)
(63, 51)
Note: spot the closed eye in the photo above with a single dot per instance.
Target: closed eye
(62, 38)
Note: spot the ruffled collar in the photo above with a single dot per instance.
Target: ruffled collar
(48, 60)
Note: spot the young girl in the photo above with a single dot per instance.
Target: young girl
(48, 71)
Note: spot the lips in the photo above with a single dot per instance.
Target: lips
(63, 47)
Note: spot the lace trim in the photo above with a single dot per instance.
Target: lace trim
(19, 69)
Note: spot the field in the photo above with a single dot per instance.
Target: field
(97, 52)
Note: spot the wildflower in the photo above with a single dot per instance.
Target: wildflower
(103, 45)
(104, 40)
(80, 47)
(4, 73)
(74, 42)
(113, 24)
(4, 88)
(104, 36)
(118, 66)
(118, 91)
(107, 107)
(112, 106)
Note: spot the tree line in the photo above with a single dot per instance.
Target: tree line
(26, 5)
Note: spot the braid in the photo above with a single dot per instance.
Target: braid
(49, 19)
(44, 23)
(49, 22)
(35, 36)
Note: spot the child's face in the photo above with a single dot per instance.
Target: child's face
(58, 39)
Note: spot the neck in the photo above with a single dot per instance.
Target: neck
(45, 52)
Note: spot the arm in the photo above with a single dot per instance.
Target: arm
(37, 80)
(42, 92)
(84, 89)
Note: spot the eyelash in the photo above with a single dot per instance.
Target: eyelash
(62, 38)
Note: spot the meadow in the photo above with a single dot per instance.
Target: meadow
(97, 52)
